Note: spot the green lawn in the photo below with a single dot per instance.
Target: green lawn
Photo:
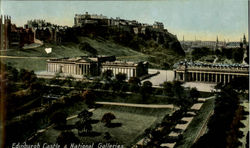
(134, 122)
(27, 63)
(196, 124)
(103, 47)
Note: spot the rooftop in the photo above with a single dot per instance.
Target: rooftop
(191, 63)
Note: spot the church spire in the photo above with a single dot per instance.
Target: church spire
(244, 39)
(217, 42)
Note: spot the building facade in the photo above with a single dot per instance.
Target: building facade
(74, 66)
(215, 73)
(131, 69)
(94, 66)
(13, 36)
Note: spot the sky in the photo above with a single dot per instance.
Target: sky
(193, 19)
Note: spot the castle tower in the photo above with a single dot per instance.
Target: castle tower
(5, 32)
(1, 33)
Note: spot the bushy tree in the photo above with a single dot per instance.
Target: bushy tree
(146, 89)
(84, 125)
(58, 118)
(194, 93)
(224, 124)
(168, 89)
(67, 138)
(134, 84)
(85, 115)
(107, 118)
(120, 77)
(107, 75)
(89, 98)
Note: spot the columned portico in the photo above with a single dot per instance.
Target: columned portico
(210, 73)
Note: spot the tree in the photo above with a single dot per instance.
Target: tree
(225, 123)
(120, 77)
(238, 54)
(89, 98)
(178, 89)
(107, 118)
(68, 80)
(84, 124)
(134, 83)
(167, 87)
(85, 115)
(194, 93)
(59, 118)
(107, 75)
(197, 53)
(67, 138)
(134, 80)
(27, 76)
(146, 89)
(13, 74)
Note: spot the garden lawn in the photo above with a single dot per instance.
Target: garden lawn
(133, 121)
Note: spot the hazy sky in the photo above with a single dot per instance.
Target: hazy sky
(203, 19)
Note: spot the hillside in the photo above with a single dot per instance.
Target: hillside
(161, 49)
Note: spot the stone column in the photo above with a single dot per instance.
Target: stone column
(80, 69)
(129, 70)
(220, 77)
(82, 72)
(88, 69)
(84, 69)
(196, 75)
(225, 81)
